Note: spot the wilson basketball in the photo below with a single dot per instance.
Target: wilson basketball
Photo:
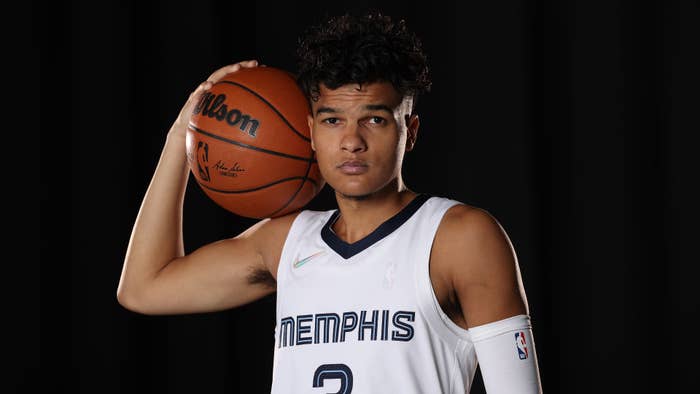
(249, 146)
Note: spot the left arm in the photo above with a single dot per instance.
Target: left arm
(484, 275)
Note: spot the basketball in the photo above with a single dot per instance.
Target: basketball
(249, 146)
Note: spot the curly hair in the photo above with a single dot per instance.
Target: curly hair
(362, 49)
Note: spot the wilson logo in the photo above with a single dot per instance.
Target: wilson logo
(214, 106)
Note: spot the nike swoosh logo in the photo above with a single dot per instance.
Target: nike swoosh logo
(307, 259)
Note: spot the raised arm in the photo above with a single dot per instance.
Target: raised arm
(157, 276)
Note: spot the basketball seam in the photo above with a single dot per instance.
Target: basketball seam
(312, 180)
(244, 145)
(306, 176)
(251, 91)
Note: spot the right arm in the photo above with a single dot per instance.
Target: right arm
(158, 277)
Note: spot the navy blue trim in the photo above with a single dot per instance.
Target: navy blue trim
(348, 250)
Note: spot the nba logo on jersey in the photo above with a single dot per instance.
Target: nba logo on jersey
(521, 345)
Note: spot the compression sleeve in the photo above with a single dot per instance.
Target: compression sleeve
(505, 351)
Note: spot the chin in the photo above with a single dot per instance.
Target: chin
(358, 193)
(353, 193)
(358, 188)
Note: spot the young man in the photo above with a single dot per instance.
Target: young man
(395, 291)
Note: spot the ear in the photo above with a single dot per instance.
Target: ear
(412, 125)
(310, 121)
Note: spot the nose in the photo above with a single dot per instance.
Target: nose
(353, 141)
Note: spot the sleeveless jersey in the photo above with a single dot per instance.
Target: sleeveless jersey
(363, 317)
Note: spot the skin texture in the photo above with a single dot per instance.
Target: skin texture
(366, 125)
(360, 134)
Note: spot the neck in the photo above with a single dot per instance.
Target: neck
(359, 216)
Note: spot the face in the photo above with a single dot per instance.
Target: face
(360, 135)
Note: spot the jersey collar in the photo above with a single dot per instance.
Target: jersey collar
(347, 250)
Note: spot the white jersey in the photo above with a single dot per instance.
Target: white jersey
(363, 317)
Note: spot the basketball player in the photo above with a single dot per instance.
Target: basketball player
(396, 291)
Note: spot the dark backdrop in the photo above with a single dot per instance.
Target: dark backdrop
(573, 123)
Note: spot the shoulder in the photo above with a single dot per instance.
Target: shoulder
(270, 230)
(269, 235)
(463, 220)
(471, 243)
(278, 228)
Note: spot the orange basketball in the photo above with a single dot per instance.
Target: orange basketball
(249, 146)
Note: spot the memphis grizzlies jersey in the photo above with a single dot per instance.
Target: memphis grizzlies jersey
(363, 318)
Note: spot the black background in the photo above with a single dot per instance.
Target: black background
(574, 123)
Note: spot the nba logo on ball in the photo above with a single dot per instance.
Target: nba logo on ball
(521, 345)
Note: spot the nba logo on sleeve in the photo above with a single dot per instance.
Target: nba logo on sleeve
(521, 345)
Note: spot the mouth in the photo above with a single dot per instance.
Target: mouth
(353, 167)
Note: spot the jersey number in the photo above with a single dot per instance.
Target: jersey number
(334, 371)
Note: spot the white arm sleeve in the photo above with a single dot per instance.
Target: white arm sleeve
(505, 350)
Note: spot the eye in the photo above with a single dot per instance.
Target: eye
(377, 120)
(331, 121)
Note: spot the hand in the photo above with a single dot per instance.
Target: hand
(179, 127)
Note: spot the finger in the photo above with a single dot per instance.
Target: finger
(218, 74)
(194, 98)
(201, 88)
(249, 63)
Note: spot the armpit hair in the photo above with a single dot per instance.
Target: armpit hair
(262, 277)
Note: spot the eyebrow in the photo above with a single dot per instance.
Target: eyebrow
(369, 107)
